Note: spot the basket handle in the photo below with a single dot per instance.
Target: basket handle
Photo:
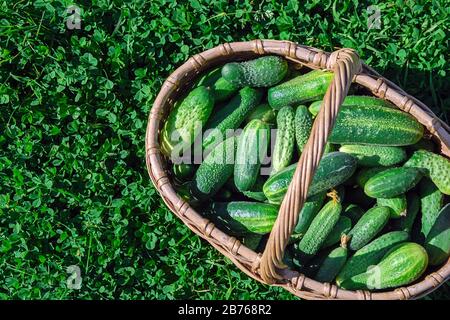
(345, 64)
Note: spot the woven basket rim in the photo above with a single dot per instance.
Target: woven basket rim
(244, 258)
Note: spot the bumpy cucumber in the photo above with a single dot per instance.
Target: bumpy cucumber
(370, 254)
(437, 242)
(320, 228)
(332, 264)
(342, 227)
(223, 89)
(403, 264)
(375, 126)
(365, 174)
(392, 182)
(247, 99)
(397, 205)
(412, 209)
(242, 217)
(436, 166)
(374, 156)
(252, 147)
(351, 101)
(215, 170)
(334, 168)
(263, 112)
(285, 140)
(368, 227)
(304, 88)
(261, 72)
(303, 126)
(431, 202)
(185, 121)
(353, 212)
(308, 212)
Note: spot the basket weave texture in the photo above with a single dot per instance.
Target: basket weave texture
(268, 267)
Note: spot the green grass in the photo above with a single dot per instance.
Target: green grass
(74, 103)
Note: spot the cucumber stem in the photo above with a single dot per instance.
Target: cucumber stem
(344, 240)
(333, 194)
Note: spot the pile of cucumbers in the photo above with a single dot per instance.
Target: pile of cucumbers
(377, 214)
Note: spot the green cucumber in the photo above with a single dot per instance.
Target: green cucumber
(210, 78)
(321, 226)
(223, 89)
(252, 147)
(264, 113)
(370, 254)
(397, 205)
(334, 168)
(256, 192)
(215, 170)
(185, 121)
(332, 264)
(308, 212)
(412, 209)
(431, 202)
(351, 101)
(374, 156)
(365, 174)
(303, 126)
(375, 126)
(243, 217)
(247, 99)
(353, 212)
(436, 166)
(370, 224)
(342, 227)
(252, 240)
(266, 71)
(403, 264)
(284, 142)
(437, 242)
(183, 171)
(304, 88)
(392, 182)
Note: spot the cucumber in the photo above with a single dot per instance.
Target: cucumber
(256, 192)
(353, 212)
(397, 205)
(350, 101)
(431, 202)
(412, 209)
(264, 113)
(332, 264)
(215, 170)
(266, 71)
(251, 149)
(370, 224)
(374, 156)
(334, 168)
(247, 99)
(243, 217)
(341, 228)
(252, 240)
(392, 182)
(210, 78)
(221, 112)
(185, 121)
(436, 167)
(183, 171)
(437, 242)
(370, 254)
(304, 88)
(285, 140)
(308, 212)
(403, 264)
(303, 126)
(321, 226)
(365, 174)
(375, 126)
(223, 89)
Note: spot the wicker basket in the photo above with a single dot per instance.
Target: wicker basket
(268, 267)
